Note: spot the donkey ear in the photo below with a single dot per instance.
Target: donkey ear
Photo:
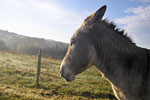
(98, 15)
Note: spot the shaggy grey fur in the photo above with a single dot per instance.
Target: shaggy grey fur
(100, 43)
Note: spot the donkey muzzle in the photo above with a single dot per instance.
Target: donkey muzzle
(66, 74)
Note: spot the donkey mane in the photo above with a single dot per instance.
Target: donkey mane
(120, 31)
(111, 25)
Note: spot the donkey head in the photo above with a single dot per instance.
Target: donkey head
(81, 53)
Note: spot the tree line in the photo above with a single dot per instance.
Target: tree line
(30, 46)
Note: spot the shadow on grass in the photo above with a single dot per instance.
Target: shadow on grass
(86, 94)
(94, 95)
(98, 95)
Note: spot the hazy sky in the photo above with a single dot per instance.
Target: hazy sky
(58, 19)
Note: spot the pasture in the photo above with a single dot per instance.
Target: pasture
(18, 76)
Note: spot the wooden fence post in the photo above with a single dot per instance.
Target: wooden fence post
(38, 69)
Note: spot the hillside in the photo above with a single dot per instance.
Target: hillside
(29, 45)
(17, 81)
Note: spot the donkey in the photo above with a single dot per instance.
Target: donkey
(100, 43)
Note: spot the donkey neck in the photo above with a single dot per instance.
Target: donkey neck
(109, 45)
(115, 54)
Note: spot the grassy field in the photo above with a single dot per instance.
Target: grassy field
(18, 75)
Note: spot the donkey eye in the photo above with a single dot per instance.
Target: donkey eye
(72, 42)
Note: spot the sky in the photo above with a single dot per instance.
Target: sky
(58, 19)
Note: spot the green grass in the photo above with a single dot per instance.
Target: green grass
(18, 74)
